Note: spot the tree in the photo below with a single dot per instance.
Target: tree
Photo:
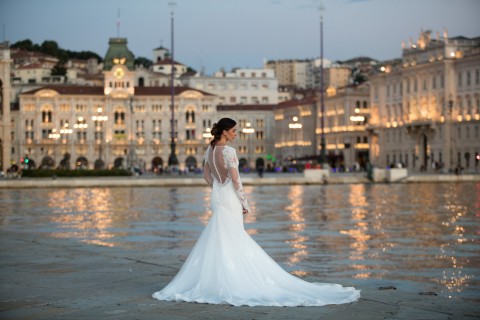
(59, 69)
(50, 47)
(26, 44)
(147, 63)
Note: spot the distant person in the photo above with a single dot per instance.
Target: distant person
(260, 171)
(226, 266)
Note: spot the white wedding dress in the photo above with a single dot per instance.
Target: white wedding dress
(227, 266)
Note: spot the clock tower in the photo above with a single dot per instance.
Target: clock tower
(119, 69)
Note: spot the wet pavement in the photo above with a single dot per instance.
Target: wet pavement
(99, 253)
(48, 278)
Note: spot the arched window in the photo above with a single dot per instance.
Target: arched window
(46, 116)
(119, 117)
(190, 116)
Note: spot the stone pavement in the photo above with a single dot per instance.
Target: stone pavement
(48, 278)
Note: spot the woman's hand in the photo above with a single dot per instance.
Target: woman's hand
(245, 211)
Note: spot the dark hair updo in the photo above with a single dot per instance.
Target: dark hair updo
(219, 127)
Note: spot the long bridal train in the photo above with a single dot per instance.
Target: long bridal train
(226, 266)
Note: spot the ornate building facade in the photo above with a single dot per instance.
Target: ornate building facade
(256, 135)
(426, 106)
(298, 128)
(117, 125)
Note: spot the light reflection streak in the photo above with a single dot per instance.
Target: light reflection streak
(359, 233)
(454, 280)
(85, 213)
(207, 203)
(295, 213)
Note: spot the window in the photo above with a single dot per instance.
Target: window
(119, 117)
(157, 129)
(46, 116)
(434, 82)
(46, 133)
(190, 116)
(190, 134)
(119, 135)
(459, 79)
(468, 78)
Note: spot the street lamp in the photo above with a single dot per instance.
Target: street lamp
(450, 137)
(207, 134)
(99, 120)
(295, 125)
(54, 135)
(172, 159)
(81, 125)
(248, 131)
(65, 131)
(323, 152)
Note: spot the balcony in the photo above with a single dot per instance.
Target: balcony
(420, 125)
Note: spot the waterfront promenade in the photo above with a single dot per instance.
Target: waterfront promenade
(49, 278)
(197, 180)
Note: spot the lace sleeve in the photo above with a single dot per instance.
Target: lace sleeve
(207, 175)
(231, 163)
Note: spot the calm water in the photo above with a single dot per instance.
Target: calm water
(418, 237)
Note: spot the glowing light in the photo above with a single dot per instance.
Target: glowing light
(357, 118)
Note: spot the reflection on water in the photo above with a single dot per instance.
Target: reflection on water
(82, 215)
(359, 232)
(297, 241)
(419, 236)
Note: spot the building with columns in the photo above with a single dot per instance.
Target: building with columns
(241, 86)
(117, 125)
(298, 128)
(426, 106)
(255, 134)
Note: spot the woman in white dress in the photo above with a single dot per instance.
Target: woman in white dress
(226, 266)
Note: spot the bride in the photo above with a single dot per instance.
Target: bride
(226, 266)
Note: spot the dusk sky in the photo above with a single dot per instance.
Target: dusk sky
(239, 33)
